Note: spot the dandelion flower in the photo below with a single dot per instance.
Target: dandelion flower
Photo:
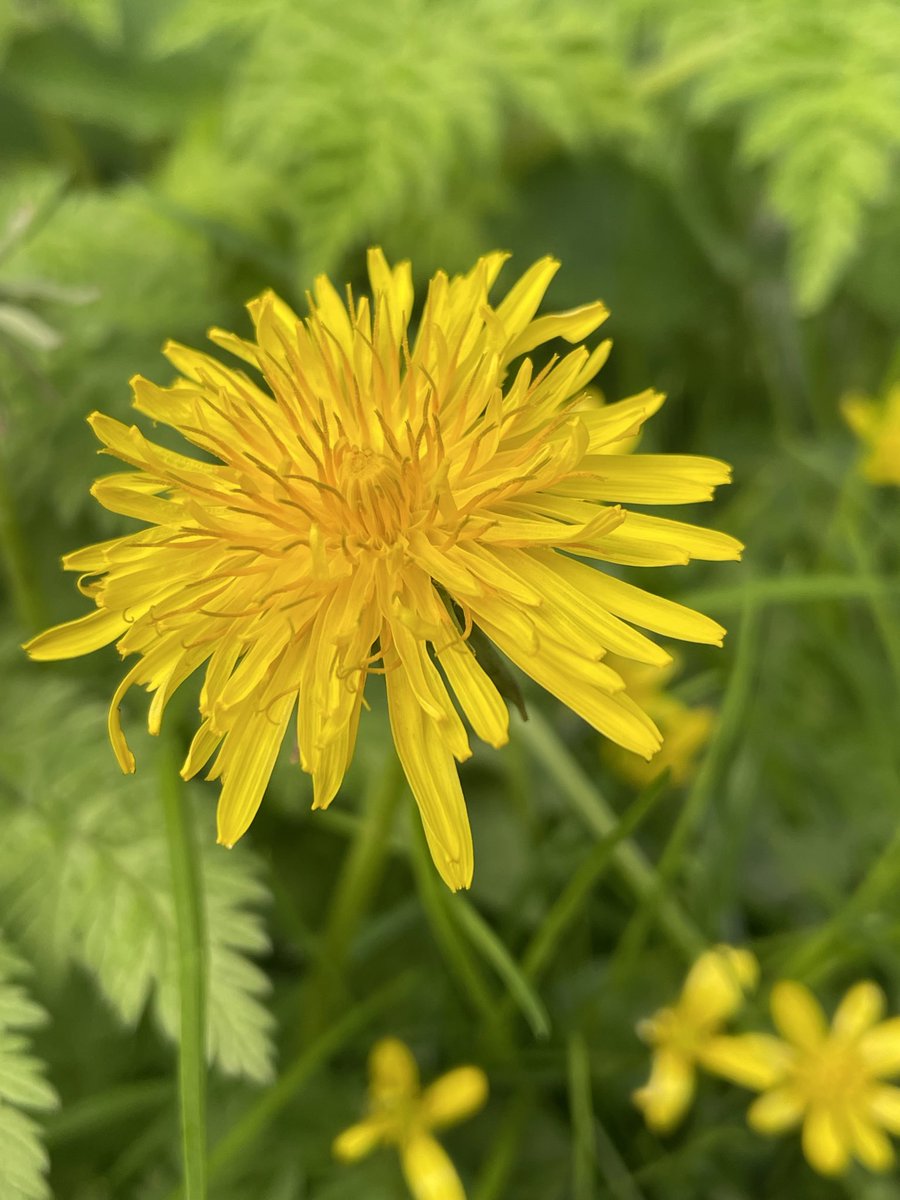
(685, 730)
(877, 425)
(680, 1035)
(403, 1116)
(830, 1079)
(365, 500)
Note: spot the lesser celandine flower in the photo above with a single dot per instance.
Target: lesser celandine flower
(403, 1116)
(685, 730)
(830, 1079)
(877, 425)
(371, 498)
(680, 1035)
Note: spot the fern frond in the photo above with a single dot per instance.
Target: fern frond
(23, 1088)
(815, 89)
(363, 113)
(84, 872)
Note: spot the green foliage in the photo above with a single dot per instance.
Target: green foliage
(69, 817)
(723, 174)
(23, 1088)
(815, 90)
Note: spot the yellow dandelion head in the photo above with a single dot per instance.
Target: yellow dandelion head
(367, 497)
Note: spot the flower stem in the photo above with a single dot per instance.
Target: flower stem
(360, 874)
(191, 937)
(628, 859)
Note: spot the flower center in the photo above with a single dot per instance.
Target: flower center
(837, 1069)
(376, 492)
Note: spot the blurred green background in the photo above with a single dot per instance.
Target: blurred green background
(723, 173)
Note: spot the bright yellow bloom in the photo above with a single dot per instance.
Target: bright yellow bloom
(403, 1116)
(877, 425)
(680, 1035)
(369, 505)
(685, 730)
(830, 1079)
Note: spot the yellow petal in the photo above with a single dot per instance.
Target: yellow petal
(651, 612)
(826, 1143)
(646, 478)
(753, 1060)
(431, 771)
(77, 637)
(870, 1145)
(777, 1110)
(565, 675)
(798, 1015)
(249, 751)
(393, 1073)
(453, 1097)
(480, 700)
(622, 419)
(523, 299)
(667, 1094)
(357, 1141)
(861, 414)
(859, 1010)
(429, 1172)
(883, 1106)
(715, 985)
(880, 1047)
(572, 326)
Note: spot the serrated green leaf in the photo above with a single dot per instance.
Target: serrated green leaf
(85, 874)
(23, 1159)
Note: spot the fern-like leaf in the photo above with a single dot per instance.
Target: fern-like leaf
(23, 1088)
(815, 88)
(84, 871)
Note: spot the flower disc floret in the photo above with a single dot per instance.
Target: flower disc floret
(365, 499)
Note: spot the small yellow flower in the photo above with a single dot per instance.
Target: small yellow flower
(680, 1035)
(877, 425)
(402, 1115)
(830, 1079)
(365, 498)
(685, 730)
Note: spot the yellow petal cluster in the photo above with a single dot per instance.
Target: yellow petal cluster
(402, 1115)
(682, 1034)
(685, 730)
(830, 1079)
(877, 425)
(365, 496)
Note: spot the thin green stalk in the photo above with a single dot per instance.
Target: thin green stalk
(791, 589)
(581, 1111)
(571, 901)
(84, 1118)
(700, 796)
(236, 1142)
(519, 989)
(628, 859)
(806, 962)
(26, 598)
(359, 877)
(192, 969)
(494, 1178)
(434, 896)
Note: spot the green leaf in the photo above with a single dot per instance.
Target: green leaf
(814, 88)
(23, 1159)
(86, 877)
